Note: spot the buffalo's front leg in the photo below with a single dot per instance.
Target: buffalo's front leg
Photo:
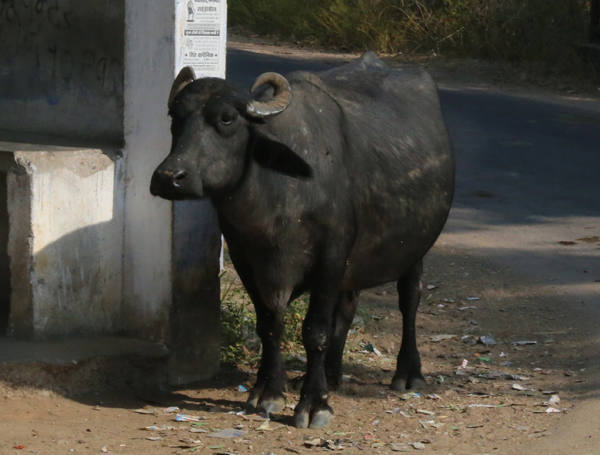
(408, 371)
(313, 409)
(267, 393)
(345, 309)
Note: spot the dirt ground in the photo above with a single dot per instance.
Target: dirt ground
(505, 395)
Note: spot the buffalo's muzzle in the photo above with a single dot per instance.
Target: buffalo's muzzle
(172, 184)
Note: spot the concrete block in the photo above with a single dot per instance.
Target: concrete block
(65, 242)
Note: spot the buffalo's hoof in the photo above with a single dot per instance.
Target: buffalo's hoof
(271, 405)
(301, 420)
(414, 382)
(253, 399)
(319, 418)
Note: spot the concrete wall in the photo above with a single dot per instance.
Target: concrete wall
(62, 68)
(65, 242)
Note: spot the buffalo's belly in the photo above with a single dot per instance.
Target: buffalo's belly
(380, 258)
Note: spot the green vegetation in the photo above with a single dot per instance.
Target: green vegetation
(239, 323)
(540, 31)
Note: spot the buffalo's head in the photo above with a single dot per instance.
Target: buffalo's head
(216, 130)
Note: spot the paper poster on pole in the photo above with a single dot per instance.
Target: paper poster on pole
(201, 36)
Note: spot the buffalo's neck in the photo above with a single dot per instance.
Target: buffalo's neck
(259, 205)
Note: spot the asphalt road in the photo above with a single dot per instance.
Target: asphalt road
(528, 177)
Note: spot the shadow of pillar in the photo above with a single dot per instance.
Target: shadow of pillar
(195, 312)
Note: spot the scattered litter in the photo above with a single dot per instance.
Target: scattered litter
(197, 430)
(505, 364)
(269, 426)
(472, 298)
(487, 340)
(154, 438)
(465, 362)
(171, 410)
(144, 411)
(520, 388)
(479, 395)
(417, 445)
(409, 395)
(503, 375)
(551, 410)
(228, 433)
(188, 418)
(313, 442)
(241, 388)
(431, 424)
(431, 287)
(19, 447)
(434, 396)
(475, 425)
(476, 405)
(370, 348)
(548, 392)
(345, 378)
(449, 300)
(554, 399)
(503, 354)
(438, 338)
(467, 308)
(524, 343)
(155, 428)
(472, 322)
(399, 447)
(423, 411)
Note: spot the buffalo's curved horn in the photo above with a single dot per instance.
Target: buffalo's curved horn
(281, 97)
(185, 76)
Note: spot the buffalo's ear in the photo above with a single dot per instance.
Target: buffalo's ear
(271, 153)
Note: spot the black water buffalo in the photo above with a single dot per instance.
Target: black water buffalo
(325, 183)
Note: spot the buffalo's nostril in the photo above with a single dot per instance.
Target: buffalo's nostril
(178, 176)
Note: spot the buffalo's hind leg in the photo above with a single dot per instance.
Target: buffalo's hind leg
(408, 371)
(345, 309)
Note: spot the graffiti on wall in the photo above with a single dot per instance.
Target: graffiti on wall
(61, 48)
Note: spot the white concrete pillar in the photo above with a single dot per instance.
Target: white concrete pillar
(170, 260)
(149, 62)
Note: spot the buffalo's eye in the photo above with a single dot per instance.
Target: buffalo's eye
(227, 118)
